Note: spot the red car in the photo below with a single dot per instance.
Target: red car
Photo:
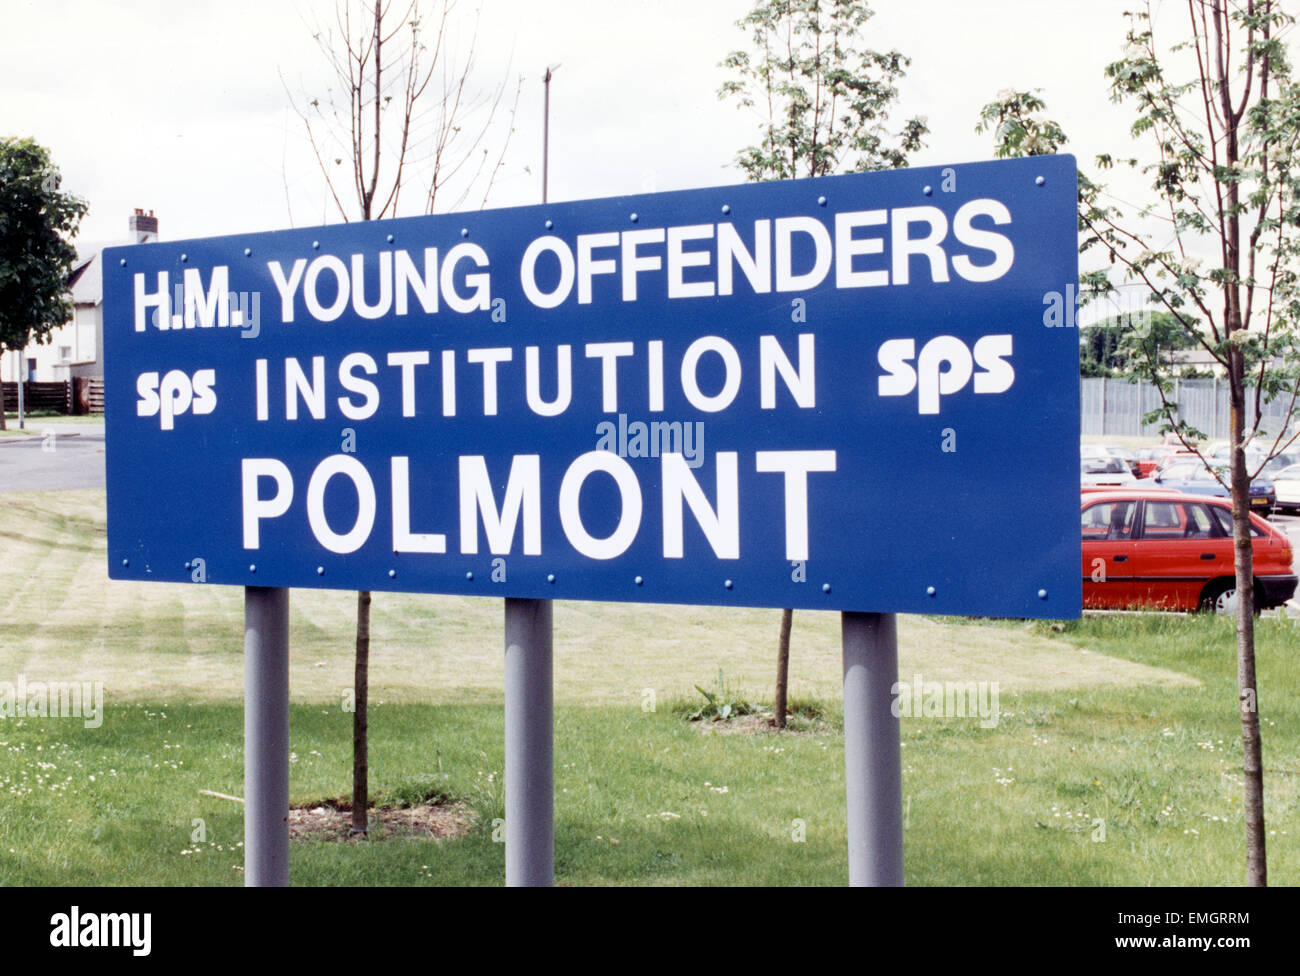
(1171, 551)
(1149, 459)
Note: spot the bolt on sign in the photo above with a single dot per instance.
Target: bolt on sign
(834, 393)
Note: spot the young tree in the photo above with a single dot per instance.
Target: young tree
(1018, 127)
(1125, 345)
(823, 102)
(1221, 259)
(1099, 352)
(401, 114)
(37, 221)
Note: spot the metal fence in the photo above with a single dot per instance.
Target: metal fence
(1116, 406)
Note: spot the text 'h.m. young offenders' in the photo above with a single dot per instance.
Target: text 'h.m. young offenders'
(833, 393)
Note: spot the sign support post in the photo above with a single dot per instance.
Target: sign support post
(266, 737)
(872, 754)
(529, 747)
(530, 706)
(529, 773)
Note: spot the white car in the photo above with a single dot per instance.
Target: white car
(1220, 451)
(1287, 483)
(1125, 455)
(1104, 471)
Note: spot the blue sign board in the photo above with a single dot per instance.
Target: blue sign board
(840, 393)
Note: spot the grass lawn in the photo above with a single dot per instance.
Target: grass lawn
(1115, 758)
(37, 422)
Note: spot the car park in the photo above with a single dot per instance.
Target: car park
(1150, 458)
(1256, 458)
(1125, 455)
(1223, 456)
(1192, 476)
(1174, 551)
(1174, 458)
(1287, 485)
(1104, 471)
(1280, 463)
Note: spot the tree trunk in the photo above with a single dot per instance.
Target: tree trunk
(361, 676)
(360, 764)
(3, 425)
(783, 667)
(1247, 691)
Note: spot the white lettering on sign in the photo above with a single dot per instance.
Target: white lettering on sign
(174, 394)
(523, 496)
(789, 253)
(944, 367)
(326, 285)
(191, 305)
(796, 466)
(863, 249)
(354, 538)
(629, 519)
(362, 343)
(256, 508)
(721, 526)
(786, 367)
(512, 520)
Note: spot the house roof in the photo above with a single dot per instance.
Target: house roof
(86, 280)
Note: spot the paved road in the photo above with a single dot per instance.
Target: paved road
(1290, 524)
(54, 457)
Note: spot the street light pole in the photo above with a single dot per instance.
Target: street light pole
(546, 124)
(530, 707)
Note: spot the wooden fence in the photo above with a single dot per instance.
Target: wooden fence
(79, 395)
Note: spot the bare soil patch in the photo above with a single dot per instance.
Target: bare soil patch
(333, 822)
(763, 723)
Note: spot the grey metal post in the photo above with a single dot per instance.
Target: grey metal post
(529, 781)
(22, 386)
(266, 737)
(872, 761)
(546, 126)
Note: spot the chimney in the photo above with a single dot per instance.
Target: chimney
(143, 227)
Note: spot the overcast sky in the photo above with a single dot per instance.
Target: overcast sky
(180, 107)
